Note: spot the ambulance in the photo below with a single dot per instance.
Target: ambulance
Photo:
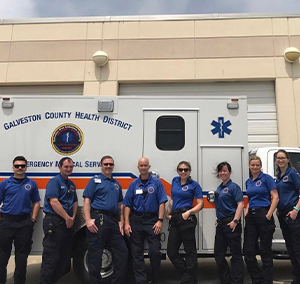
(202, 130)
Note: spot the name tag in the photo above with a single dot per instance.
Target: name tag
(139, 191)
(98, 180)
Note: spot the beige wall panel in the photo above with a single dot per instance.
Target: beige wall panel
(109, 88)
(6, 32)
(297, 106)
(280, 45)
(109, 71)
(3, 72)
(91, 89)
(46, 72)
(4, 51)
(235, 69)
(280, 26)
(294, 26)
(110, 30)
(91, 72)
(294, 42)
(233, 27)
(286, 115)
(92, 47)
(111, 47)
(161, 70)
(50, 50)
(129, 30)
(156, 49)
(59, 31)
(166, 29)
(296, 69)
(94, 30)
(283, 69)
(234, 47)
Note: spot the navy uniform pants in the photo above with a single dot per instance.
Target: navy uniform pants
(57, 243)
(18, 230)
(225, 238)
(258, 226)
(183, 231)
(291, 234)
(108, 236)
(142, 229)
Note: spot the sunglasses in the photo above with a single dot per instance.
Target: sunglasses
(18, 166)
(108, 164)
(183, 170)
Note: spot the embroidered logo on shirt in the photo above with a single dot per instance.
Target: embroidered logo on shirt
(225, 190)
(285, 179)
(151, 189)
(258, 183)
(117, 186)
(185, 188)
(27, 186)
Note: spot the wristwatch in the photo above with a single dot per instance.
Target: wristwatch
(33, 220)
(160, 219)
(236, 221)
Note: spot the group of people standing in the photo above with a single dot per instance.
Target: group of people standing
(140, 217)
(264, 196)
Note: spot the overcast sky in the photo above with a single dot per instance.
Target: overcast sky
(17, 9)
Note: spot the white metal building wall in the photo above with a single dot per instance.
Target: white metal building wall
(262, 119)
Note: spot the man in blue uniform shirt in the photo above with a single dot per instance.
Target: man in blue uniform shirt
(20, 205)
(60, 207)
(103, 212)
(145, 200)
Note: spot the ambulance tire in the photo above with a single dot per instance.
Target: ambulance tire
(80, 264)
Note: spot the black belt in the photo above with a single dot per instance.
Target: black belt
(225, 220)
(258, 210)
(281, 213)
(15, 217)
(146, 214)
(106, 213)
(181, 210)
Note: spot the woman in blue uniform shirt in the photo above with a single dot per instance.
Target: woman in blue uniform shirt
(259, 222)
(229, 205)
(288, 185)
(181, 213)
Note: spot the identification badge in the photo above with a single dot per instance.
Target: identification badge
(98, 180)
(139, 191)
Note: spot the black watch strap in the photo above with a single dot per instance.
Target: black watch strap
(160, 219)
(236, 221)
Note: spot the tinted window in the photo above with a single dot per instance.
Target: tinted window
(170, 132)
(295, 160)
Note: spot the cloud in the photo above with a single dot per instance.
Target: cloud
(17, 9)
(79, 8)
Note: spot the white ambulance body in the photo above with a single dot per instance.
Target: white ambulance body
(201, 130)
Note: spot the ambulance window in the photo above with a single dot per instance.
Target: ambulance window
(170, 133)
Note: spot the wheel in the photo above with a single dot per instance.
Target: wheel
(80, 264)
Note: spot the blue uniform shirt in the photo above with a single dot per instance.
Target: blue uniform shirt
(228, 197)
(145, 197)
(183, 195)
(258, 191)
(288, 187)
(17, 197)
(104, 193)
(64, 191)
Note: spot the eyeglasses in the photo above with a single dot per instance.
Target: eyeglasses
(281, 158)
(183, 170)
(108, 164)
(18, 166)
